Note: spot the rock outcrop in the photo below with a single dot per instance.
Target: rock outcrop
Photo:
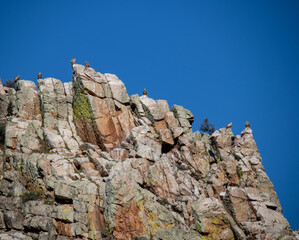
(83, 160)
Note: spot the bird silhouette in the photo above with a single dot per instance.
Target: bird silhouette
(16, 78)
(87, 64)
(229, 125)
(39, 76)
(247, 124)
(73, 61)
(144, 92)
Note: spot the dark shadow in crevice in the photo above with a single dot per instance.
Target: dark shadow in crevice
(64, 201)
(167, 147)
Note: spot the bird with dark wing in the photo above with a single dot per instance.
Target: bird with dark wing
(229, 125)
(16, 78)
(73, 61)
(247, 124)
(144, 92)
(87, 64)
(39, 76)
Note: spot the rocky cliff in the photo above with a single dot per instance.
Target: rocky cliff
(83, 160)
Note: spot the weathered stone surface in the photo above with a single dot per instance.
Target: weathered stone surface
(153, 106)
(102, 164)
(144, 143)
(64, 192)
(136, 105)
(119, 154)
(56, 101)
(87, 167)
(65, 213)
(27, 100)
(138, 211)
(64, 230)
(177, 234)
(2, 221)
(83, 160)
(80, 206)
(166, 136)
(239, 206)
(79, 230)
(13, 220)
(7, 100)
(14, 236)
(39, 208)
(213, 221)
(14, 176)
(184, 116)
(38, 223)
(118, 89)
(61, 167)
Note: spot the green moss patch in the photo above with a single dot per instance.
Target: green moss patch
(81, 106)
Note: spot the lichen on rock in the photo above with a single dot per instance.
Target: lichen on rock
(83, 160)
(81, 106)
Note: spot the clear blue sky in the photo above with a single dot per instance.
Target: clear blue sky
(225, 60)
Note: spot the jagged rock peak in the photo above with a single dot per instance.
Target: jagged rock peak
(83, 160)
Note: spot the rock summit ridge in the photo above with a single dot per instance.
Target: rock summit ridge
(84, 160)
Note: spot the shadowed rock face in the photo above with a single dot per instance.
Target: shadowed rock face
(83, 160)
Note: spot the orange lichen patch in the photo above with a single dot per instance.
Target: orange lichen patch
(128, 223)
(63, 228)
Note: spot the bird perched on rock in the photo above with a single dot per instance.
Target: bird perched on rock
(73, 61)
(229, 125)
(247, 124)
(39, 76)
(87, 64)
(144, 92)
(16, 78)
